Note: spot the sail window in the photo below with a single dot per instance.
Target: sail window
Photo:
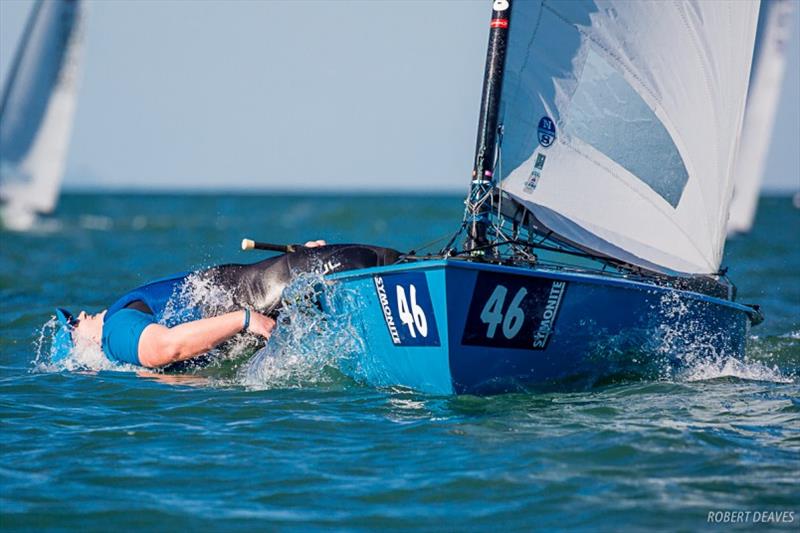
(607, 113)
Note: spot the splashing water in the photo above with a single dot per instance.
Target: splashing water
(704, 354)
(306, 347)
(685, 336)
(310, 344)
(197, 296)
(84, 356)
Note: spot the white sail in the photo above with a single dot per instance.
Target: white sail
(766, 80)
(37, 108)
(621, 123)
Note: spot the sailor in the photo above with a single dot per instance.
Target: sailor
(135, 328)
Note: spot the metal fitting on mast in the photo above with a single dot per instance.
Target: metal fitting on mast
(477, 205)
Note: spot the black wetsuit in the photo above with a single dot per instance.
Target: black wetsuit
(260, 285)
(257, 286)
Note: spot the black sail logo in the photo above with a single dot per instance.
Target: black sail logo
(546, 131)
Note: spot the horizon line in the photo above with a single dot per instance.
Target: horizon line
(235, 190)
(89, 189)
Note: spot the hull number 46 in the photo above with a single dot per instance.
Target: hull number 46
(492, 313)
(413, 316)
(405, 302)
(510, 311)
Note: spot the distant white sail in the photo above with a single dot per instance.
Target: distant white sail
(621, 124)
(37, 108)
(766, 80)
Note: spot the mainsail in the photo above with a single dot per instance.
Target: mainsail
(766, 80)
(621, 123)
(37, 108)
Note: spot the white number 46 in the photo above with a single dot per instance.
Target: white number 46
(492, 313)
(412, 315)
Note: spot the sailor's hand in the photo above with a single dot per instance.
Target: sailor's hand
(315, 244)
(261, 325)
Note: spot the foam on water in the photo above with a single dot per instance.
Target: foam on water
(730, 367)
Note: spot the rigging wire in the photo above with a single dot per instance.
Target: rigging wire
(428, 244)
(497, 170)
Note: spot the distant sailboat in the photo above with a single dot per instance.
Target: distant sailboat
(766, 80)
(36, 112)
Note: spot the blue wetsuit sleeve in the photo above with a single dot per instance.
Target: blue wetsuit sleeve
(121, 332)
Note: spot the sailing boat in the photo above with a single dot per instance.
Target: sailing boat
(766, 80)
(596, 218)
(36, 112)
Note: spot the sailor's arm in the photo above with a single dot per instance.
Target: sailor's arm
(160, 345)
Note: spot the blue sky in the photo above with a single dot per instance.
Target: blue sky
(296, 95)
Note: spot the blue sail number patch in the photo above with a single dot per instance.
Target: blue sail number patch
(407, 309)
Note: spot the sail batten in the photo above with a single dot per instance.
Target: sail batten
(622, 122)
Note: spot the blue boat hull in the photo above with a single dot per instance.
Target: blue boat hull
(453, 326)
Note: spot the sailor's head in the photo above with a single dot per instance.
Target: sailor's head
(73, 331)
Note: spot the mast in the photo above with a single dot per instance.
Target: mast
(478, 208)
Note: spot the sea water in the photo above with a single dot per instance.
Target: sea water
(283, 439)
